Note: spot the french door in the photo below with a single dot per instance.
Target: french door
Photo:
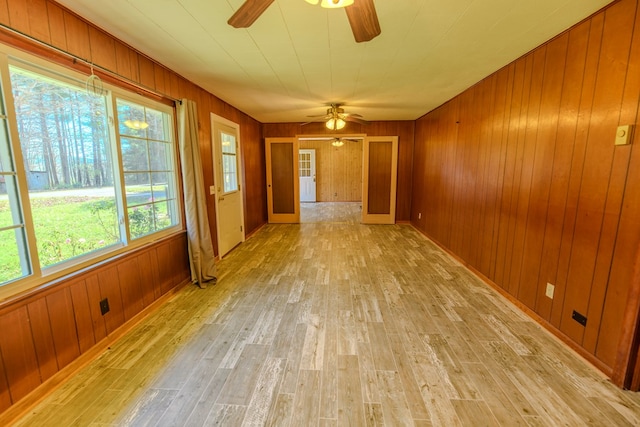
(283, 186)
(380, 170)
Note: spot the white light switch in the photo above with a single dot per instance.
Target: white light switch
(212, 190)
(550, 290)
(623, 134)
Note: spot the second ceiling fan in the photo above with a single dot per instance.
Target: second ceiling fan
(361, 14)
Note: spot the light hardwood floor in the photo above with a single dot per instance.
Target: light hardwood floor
(333, 323)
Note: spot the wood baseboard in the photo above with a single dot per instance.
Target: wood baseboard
(546, 326)
(18, 409)
(254, 231)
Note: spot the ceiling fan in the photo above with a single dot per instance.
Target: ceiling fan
(361, 14)
(336, 118)
(339, 142)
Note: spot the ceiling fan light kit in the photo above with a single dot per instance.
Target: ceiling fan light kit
(336, 118)
(362, 16)
(335, 123)
(331, 4)
(136, 124)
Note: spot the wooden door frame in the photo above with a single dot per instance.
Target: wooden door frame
(626, 371)
(389, 218)
(293, 218)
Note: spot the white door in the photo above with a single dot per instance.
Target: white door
(227, 178)
(307, 171)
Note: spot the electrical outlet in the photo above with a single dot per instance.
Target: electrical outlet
(550, 290)
(419, 215)
(580, 318)
(104, 306)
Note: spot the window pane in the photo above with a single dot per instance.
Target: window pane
(152, 203)
(14, 257)
(141, 220)
(10, 213)
(160, 156)
(131, 119)
(6, 160)
(138, 188)
(163, 216)
(157, 127)
(69, 227)
(66, 148)
(10, 265)
(229, 173)
(228, 143)
(134, 154)
(161, 186)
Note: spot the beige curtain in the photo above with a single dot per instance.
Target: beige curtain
(201, 257)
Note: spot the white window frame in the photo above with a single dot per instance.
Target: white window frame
(124, 220)
(40, 276)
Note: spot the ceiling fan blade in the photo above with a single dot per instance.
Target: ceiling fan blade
(350, 118)
(312, 121)
(248, 13)
(363, 20)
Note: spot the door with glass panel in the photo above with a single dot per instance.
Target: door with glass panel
(380, 172)
(283, 186)
(307, 166)
(228, 191)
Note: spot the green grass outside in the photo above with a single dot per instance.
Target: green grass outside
(67, 227)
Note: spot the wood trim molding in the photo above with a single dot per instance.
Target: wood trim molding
(549, 328)
(19, 408)
(626, 372)
(33, 46)
(52, 285)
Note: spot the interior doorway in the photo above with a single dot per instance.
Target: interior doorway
(331, 212)
(307, 175)
(348, 169)
(336, 178)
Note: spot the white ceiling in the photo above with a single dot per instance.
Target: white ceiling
(297, 58)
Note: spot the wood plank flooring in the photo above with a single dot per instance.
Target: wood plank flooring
(333, 323)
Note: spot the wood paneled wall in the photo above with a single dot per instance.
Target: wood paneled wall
(51, 328)
(519, 177)
(403, 129)
(338, 170)
(52, 24)
(44, 332)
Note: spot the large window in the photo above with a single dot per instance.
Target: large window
(66, 152)
(148, 162)
(98, 171)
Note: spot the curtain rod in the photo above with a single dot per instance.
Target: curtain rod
(89, 64)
